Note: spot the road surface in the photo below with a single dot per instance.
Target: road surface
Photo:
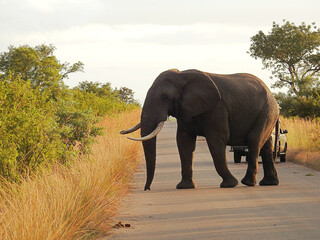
(288, 211)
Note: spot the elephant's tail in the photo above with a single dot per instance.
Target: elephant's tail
(276, 137)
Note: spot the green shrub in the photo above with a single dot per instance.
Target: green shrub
(29, 129)
(78, 127)
(41, 120)
(303, 107)
(101, 99)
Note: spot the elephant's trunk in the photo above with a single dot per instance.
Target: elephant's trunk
(148, 136)
(149, 148)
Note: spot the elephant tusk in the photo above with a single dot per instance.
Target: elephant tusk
(130, 130)
(151, 135)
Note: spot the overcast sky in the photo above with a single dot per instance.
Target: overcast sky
(129, 43)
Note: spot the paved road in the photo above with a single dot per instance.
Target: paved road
(288, 211)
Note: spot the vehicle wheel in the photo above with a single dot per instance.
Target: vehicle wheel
(283, 157)
(237, 156)
(285, 147)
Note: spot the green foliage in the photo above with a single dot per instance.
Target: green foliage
(96, 88)
(39, 66)
(303, 107)
(78, 127)
(41, 120)
(125, 95)
(102, 99)
(28, 127)
(292, 53)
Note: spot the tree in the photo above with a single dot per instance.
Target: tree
(41, 120)
(96, 88)
(292, 53)
(125, 95)
(37, 65)
(101, 99)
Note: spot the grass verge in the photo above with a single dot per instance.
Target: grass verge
(75, 202)
(303, 141)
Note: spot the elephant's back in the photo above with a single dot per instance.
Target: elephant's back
(239, 82)
(246, 97)
(241, 89)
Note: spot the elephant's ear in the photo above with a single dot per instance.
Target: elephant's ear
(200, 94)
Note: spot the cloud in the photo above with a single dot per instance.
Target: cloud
(129, 42)
(195, 34)
(43, 15)
(127, 36)
(46, 15)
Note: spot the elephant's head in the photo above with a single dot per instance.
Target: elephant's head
(183, 95)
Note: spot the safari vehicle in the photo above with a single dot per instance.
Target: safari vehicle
(282, 145)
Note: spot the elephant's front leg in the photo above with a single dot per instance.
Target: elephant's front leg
(186, 146)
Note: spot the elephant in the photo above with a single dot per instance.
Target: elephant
(234, 109)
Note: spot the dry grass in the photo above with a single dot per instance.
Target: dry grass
(303, 141)
(74, 202)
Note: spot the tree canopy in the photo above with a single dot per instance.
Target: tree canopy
(37, 65)
(292, 53)
(126, 95)
(41, 120)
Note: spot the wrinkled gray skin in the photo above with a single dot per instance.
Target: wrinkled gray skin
(235, 109)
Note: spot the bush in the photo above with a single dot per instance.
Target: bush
(30, 135)
(101, 99)
(41, 120)
(303, 107)
(77, 127)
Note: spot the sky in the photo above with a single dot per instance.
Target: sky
(129, 43)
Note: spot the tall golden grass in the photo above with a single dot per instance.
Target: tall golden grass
(303, 140)
(74, 202)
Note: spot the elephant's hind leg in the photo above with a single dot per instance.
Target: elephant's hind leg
(270, 172)
(252, 170)
(218, 151)
(255, 140)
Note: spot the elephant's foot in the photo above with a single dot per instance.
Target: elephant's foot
(249, 181)
(185, 184)
(269, 181)
(229, 183)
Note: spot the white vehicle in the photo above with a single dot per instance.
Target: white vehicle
(282, 146)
